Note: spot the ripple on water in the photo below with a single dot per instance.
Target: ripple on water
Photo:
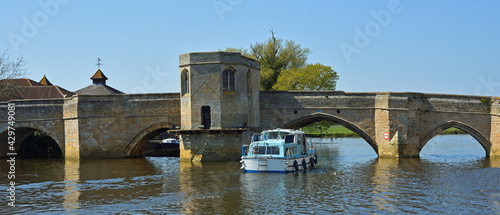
(349, 179)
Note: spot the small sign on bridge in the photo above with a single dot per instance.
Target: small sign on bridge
(386, 135)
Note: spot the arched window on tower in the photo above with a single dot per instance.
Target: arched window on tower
(184, 81)
(228, 83)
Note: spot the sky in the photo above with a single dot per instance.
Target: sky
(449, 47)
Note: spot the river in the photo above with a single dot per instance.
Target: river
(452, 176)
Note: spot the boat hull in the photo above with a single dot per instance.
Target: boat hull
(277, 165)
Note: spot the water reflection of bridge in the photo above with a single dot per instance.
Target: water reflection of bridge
(165, 185)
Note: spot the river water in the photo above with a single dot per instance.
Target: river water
(452, 176)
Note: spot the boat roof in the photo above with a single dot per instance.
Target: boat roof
(283, 130)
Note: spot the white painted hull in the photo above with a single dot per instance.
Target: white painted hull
(278, 165)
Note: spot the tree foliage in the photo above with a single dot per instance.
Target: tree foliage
(280, 58)
(276, 56)
(8, 71)
(310, 77)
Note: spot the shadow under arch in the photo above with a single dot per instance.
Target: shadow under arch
(21, 133)
(316, 117)
(137, 145)
(485, 143)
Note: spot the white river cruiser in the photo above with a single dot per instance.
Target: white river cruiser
(280, 151)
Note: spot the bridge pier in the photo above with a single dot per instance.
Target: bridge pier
(495, 128)
(396, 130)
(71, 128)
(213, 145)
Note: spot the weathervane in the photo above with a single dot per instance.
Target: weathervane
(98, 63)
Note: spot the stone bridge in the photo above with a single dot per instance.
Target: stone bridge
(220, 106)
(118, 126)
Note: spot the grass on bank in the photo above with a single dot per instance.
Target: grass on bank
(337, 131)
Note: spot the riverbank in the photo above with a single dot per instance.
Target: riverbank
(338, 131)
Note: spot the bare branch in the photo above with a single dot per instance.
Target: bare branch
(10, 70)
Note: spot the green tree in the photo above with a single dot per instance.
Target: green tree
(278, 57)
(275, 56)
(8, 71)
(310, 77)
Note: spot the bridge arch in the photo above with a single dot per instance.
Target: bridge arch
(22, 132)
(316, 117)
(139, 142)
(485, 143)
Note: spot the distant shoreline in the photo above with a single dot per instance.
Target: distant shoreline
(342, 132)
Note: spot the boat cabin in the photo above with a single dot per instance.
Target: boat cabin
(278, 143)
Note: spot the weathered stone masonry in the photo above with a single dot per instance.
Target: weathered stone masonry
(220, 106)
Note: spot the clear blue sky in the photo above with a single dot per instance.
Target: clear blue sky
(450, 47)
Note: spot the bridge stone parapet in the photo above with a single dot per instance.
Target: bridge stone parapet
(456, 103)
(394, 124)
(115, 126)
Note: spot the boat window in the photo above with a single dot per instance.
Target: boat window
(275, 135)
(262, 150)
(290, 151)
(266, 150)
(303, 142)
(274, 150)
(256, 138)
(289, 139)
(244, 150)
(255, 150)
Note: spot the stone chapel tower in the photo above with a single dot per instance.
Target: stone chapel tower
(219, 90)
(219, 102)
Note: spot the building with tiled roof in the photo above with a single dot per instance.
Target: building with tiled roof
(25, 88)
(98, 86)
